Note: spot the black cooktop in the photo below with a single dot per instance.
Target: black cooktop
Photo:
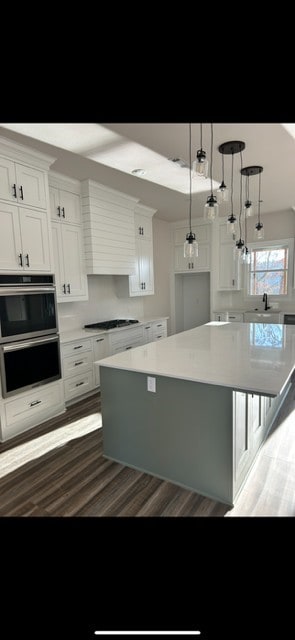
(110, 324)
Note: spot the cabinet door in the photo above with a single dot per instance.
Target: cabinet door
(241, 435)
(147, 332)
(201, 263)
(10, 239)
(256, 412)
(30, 184)
(70, 206)
(74, 268)
(146, 226)
(7, 180)
(134, 280)
(146, 267)
(58, 261)
(35, 240)
(100, 351)
(55, 210)
(229, 268)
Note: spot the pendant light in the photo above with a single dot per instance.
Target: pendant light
(190, 249)
(200, 165)
(211, 207)
(259, 230)
(232, 147)
(222, 191)
(241, 247)
(248, 203)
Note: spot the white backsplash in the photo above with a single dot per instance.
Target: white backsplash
(103, 304)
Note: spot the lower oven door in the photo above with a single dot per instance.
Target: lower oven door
(28, 364)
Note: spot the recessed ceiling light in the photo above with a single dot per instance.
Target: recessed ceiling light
(138, 172)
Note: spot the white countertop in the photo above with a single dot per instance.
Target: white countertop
(79, 334)
(244, 356)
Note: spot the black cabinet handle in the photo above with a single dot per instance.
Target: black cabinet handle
(79, 384)
(64, 288)
(100, 340)
(33, 404)
(79, 347)
(20, 259)
(69, 288)
(58, 208)
(126, 348)
(14, 190)
(21, 193)
(78, 363)
(27, 259)
(63, 212)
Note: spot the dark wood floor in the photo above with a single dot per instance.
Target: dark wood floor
(76, 480)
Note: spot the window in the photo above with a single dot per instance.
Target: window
(268, 269)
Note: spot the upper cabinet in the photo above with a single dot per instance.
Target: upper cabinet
(108, 220)
(142, 282)
(25, 240)
(67, 239)
(229, 268)
(203, 237)
(65, 202)
(22, 184)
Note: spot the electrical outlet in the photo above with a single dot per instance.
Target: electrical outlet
(151, 384)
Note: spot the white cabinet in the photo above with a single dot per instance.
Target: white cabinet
(202, 262)
(125, 339)
(142, 283)
(30, 409)
(24, 239)
(65, 205)
(251, 419)
(22, 184)
(67, 238)
(228, 316)
(68, 255)
(100, 351)
(77, 368)
(229, 267)
(153, 331)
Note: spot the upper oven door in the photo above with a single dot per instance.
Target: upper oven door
(27, 312)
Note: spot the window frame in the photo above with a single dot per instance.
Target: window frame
(273, 244)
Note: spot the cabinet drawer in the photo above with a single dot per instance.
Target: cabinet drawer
(22, 409)
(235, 317)
(76, 385)
(159, 330)
(126, 337)
(77, 347)
(77, 363)
(126, 347)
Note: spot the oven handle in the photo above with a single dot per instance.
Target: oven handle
(16, 346)
(8, 291)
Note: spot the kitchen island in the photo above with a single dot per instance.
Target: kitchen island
(195, 407)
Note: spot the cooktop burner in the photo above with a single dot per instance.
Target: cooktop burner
(110, 324)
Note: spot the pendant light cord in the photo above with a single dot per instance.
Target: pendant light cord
(190, 176)
(201, 135)
(232, 185)
(211, 160)
(259, 190)
(241, 195)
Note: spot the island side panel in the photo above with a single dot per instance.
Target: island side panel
(182, 433)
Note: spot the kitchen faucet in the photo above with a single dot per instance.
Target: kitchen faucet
(264, 299)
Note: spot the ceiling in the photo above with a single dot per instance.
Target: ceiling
(108, 153)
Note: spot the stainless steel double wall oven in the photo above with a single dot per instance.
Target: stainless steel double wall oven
(29, 339)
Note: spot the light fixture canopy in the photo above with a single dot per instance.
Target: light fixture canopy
(232, 147)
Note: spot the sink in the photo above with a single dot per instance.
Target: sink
(262, 316)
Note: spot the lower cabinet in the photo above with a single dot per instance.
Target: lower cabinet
(29, 409)
(100, 351)
(77, 367)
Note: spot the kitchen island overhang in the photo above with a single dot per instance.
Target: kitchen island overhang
(203, 425)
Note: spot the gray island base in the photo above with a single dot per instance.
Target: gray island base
(200, 435)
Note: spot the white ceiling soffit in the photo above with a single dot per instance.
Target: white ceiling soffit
(97, 143)
(290, 128)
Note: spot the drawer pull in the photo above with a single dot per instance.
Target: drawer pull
(126, 348)
(77, 363)
(33, 404)
(78, 384)
(150, 326)
(79, 347)
(159, 325)
(100, 340)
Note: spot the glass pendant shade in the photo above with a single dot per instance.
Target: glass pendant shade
(222, 193)
(231, 225)
(211, 208)
(190, 247)
(248, 209)
(200, 165)
(259, 231)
